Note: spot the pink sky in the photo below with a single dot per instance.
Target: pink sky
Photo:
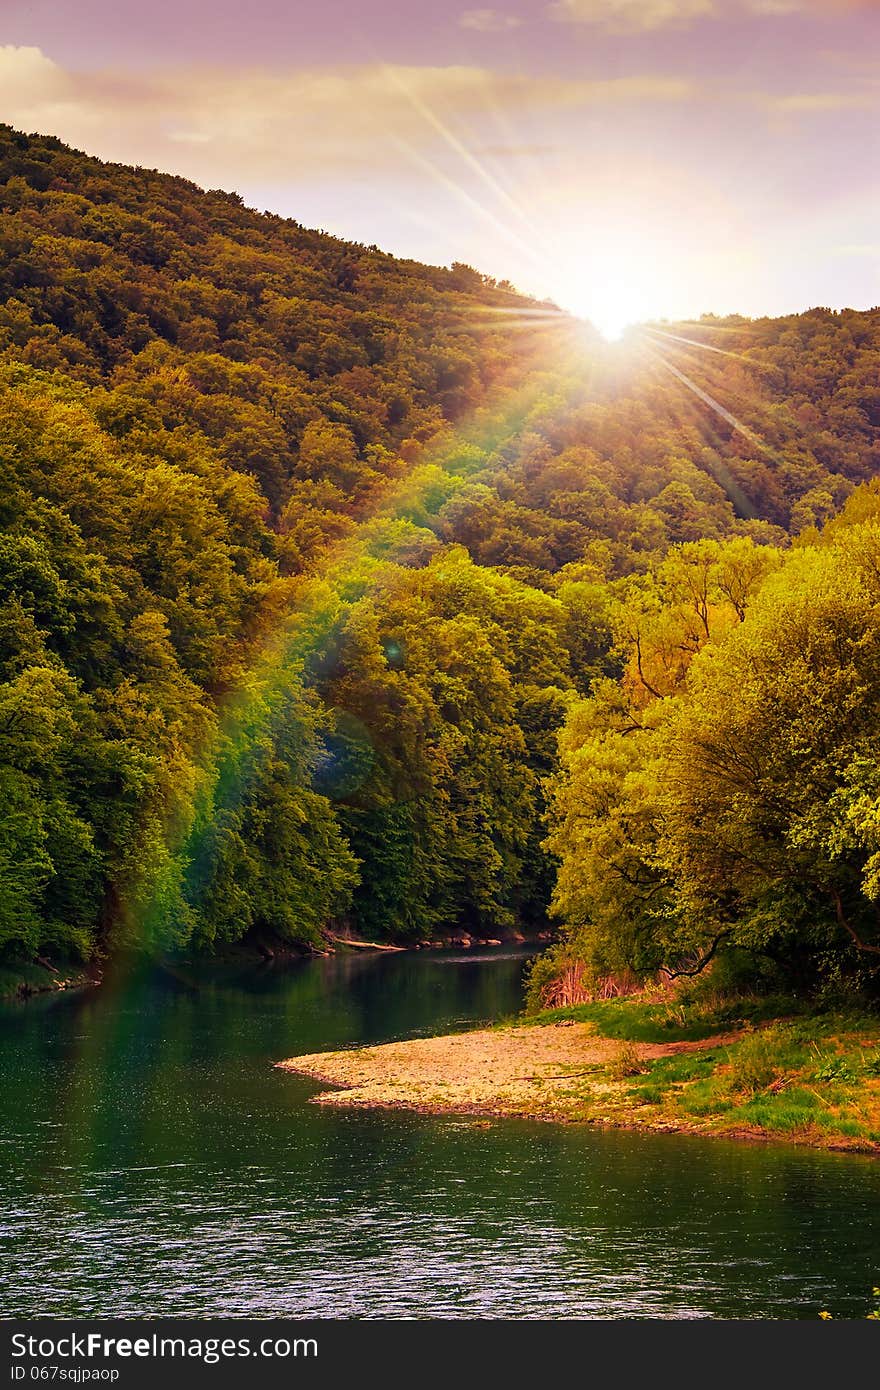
(631, 158)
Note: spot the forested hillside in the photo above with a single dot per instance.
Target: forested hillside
(340, 589)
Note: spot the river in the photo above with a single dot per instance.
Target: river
(152, 1162)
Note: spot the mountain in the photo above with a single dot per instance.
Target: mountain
(313, 559)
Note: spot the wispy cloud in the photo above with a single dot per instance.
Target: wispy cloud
(225, 125)
(631, 16)
(639, 16)
(533, 150)
(864, 98)
(489, 21)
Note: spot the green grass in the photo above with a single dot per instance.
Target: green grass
(687, 1020)
(791, 1073)
(666, 1075)
(784, 1113)
(789, 1077)
(796, 1070)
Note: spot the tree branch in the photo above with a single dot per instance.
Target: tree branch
(650, 688)
(701, 965)
(850, 930)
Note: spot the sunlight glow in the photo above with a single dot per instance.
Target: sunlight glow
(620, 252)
(613, 275)
(616, 247)
(612, 309)
(611, 290)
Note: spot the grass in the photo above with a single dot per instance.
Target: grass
(669, 1073)
(790, 1073)
(792, 1078)
(628, 1062)
(680, 1020)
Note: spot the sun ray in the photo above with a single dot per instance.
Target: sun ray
(711, 402)
(688, 415)
(452, 186)
(714, 327)
(459, 148)
(705, 347)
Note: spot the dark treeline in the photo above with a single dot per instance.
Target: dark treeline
(331, 585)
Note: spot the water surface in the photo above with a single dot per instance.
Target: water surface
(153, 1163)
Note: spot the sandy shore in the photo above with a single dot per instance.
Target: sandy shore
(556, 1072)
(567, 1071)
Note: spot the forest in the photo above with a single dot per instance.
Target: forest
(340, 592)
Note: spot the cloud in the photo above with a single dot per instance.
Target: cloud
(631, 16)
(775, 7)
(870, 249)
(24, 65)
(639, 16)
(489, 21)
(239, 126)
(810, 102)
(814, 8)
(817, 103)
(533, 150)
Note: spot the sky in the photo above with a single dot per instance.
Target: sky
(631, 159)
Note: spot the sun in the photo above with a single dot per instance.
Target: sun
(612, 291)
(607, 296)
(612, 309)
(614, 269)
(624, 243)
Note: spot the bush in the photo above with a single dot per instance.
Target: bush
(628, 1062)
(754, 1062)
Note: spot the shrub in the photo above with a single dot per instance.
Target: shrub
(627, 1063)
(754, 1063)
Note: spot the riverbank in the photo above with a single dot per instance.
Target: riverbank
(20, 980)
(733, 1070)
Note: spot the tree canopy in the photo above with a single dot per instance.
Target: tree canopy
(336, 588)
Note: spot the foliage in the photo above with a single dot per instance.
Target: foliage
(199, 404)
(729, 801)
(308, 554)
